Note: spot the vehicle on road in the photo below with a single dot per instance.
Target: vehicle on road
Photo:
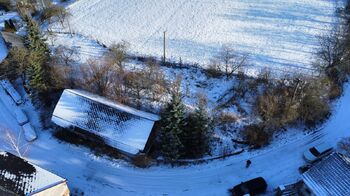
(317, 152)
(29, 132)
(252, 187)
(10, 90)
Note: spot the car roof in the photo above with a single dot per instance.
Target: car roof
(309, 156)
(323, 147)
(254, 186)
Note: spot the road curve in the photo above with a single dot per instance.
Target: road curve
(100, 176)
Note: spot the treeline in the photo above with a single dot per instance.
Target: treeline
(108, 76)
(32, 63)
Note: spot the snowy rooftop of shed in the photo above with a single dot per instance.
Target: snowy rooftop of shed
(121, 126)
(21, 177)
(330, 176)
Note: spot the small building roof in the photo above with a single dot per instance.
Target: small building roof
(330, 176)
(19, 177)
(122, 127)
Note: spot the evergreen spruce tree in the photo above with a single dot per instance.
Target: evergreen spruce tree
(37, 71)
(173, 119)
(35, 41)
(196, 135)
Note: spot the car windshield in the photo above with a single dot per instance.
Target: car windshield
(314, 151)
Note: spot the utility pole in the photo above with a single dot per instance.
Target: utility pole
(164, 58)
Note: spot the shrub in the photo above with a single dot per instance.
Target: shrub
(335, 91)
(6, 5)
(256, 135)
(229, 61)
(225, 120)
(54, 12)
(213, 71)
(15, 64)
(141, 160)
(313, 110)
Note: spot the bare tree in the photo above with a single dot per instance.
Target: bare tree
(15, 64)
(118, 54)
(333, 55)
(135, 82)
(65, 55)
(53, 13)
(155, 80)
(332, 49)
(97, 76)
(14, 142)
(62, 76)
(230, 61)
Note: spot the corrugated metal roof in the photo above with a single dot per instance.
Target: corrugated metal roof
(330, 176)
(21, 177)
(120, 126)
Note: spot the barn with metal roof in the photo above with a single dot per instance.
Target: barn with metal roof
(122, 127)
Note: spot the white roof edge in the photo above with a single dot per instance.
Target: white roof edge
(38, 167)
(103, 100)
(48, 186)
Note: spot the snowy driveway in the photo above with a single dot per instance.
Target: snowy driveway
(100, 176)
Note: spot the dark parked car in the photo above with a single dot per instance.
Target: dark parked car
(252, 187)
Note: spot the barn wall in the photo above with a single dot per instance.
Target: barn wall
(58, 190)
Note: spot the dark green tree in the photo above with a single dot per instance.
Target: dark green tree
(35, 40)
(35, 74)
(196, 135)
(173, 122)
(37, 71)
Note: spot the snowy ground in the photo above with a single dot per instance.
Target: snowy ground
(3, 49)
(194, 80)
(280, 35)
(101, 176)
(277, 34)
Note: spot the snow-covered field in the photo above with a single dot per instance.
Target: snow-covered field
(281, 35)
